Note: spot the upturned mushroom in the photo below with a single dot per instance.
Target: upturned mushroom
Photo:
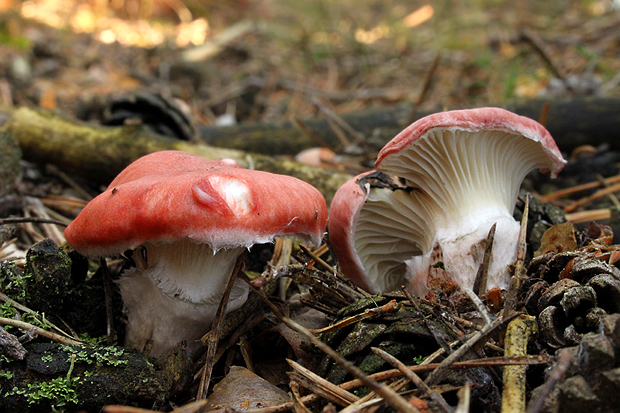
(187, 220)
(440, 185)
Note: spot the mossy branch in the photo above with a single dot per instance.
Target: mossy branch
(99, 154)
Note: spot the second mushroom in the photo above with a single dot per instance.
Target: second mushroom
(440, 185)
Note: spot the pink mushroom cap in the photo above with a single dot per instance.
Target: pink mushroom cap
(472, 120)
(172, 195)
(343, 216)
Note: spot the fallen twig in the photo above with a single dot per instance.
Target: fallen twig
(213, 336)
(464, 395)
(586, 216)
(426, 84)
(437, 375)
(35, 220)
(23, 308)
(583, 201)
(415, 379)
(369, 313)
(480, 284)
(47, 334)
(107, 289)
(320, 386)
(420, 368)
(569, 191)
(389, 396)
(317, 259)
(518, 335)
(557, 373)
(10, 345)
(196, 406)
(519, 271)
(540, 46)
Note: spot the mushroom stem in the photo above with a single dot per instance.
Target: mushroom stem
(462, 255)
(174, 292)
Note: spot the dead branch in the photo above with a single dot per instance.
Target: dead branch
(572, 122)
(99, 154)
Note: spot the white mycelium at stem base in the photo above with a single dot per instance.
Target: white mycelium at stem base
(173, 291)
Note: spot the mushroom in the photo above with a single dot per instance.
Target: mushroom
(440, 185)
(188, 219)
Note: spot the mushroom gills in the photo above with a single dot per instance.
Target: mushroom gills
(388, 233)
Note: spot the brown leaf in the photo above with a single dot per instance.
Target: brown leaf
(558, 238)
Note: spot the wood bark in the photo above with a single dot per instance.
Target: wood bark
(572, 122)
(99, 154)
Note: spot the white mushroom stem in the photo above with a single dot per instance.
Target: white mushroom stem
(461, 256)
(174, 292)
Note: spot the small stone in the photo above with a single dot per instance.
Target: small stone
(577, 396)
(573, 367)
(551, 403)
(595, 353)
(609, 387)
(242, 390)
(610, 326)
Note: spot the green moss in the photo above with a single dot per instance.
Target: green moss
(419, 359)
(7, 310)
(60, 391)
(12, 281)
(6, 374)
(362, 304)
(100, 356)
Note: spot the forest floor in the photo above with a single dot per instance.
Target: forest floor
(269, 61)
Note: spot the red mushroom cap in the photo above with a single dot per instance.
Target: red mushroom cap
(343, 216)
(171, 195)
(472, 120)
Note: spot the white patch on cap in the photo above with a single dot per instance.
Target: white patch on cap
(229, 162)
(235, 193)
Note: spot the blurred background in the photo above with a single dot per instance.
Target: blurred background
(234, 61)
